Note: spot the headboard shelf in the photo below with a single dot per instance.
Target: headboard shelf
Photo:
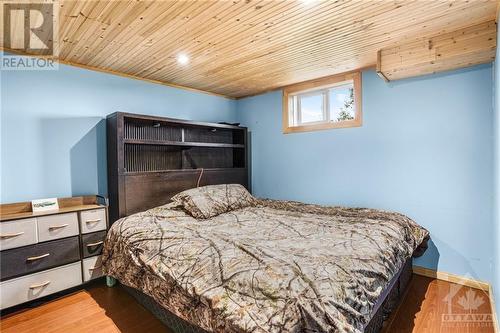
(183, 143)
(187, 170)
(167, 156)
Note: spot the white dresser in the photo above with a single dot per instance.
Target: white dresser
(44, 253)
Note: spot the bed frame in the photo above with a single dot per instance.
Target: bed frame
(150, 159)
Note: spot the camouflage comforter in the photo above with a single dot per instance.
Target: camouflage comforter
(277, 266)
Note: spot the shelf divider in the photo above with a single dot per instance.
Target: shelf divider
(183, 144)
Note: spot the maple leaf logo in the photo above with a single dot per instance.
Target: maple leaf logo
(470, 301)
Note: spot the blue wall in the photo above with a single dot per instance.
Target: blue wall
(424, 149)
(53, 136)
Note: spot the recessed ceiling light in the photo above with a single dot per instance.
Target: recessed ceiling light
(182, 59)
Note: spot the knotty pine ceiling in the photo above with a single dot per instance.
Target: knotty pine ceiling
(245, 47)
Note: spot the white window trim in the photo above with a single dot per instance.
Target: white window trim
(291, 122)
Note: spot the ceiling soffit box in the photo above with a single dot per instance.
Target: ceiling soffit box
(461, 48)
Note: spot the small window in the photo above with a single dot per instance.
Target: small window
(325, 103)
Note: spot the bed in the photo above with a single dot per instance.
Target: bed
(255, 265)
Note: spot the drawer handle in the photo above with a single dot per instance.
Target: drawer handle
(95, 244)
(38, 257)
(41, 285)
(52, 227)
(11, 235)
(95, 267)
(93, 221)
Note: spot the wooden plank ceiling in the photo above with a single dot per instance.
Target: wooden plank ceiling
(244, 47)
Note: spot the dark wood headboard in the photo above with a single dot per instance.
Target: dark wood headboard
(150, 159)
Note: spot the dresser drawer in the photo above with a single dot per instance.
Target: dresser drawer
(18, 233)
(40, 284)
(92, 243)
(92, 268)
(34, 258)
(92, 220)
(57, 226)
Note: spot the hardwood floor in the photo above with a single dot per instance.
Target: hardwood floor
(101, 309)
(96, 309)
(427, 307)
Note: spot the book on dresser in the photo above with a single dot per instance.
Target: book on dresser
(47, 252)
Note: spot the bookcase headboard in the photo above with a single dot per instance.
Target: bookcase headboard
(150, 159)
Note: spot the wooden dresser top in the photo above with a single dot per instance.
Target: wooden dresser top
(22, 210)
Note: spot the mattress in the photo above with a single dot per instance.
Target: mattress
(277, 266)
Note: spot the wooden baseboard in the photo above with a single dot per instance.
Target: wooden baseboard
(464, 282)
(496, 326)
(451, 278)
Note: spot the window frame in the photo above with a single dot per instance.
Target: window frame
(297, 117)
(321, 86)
